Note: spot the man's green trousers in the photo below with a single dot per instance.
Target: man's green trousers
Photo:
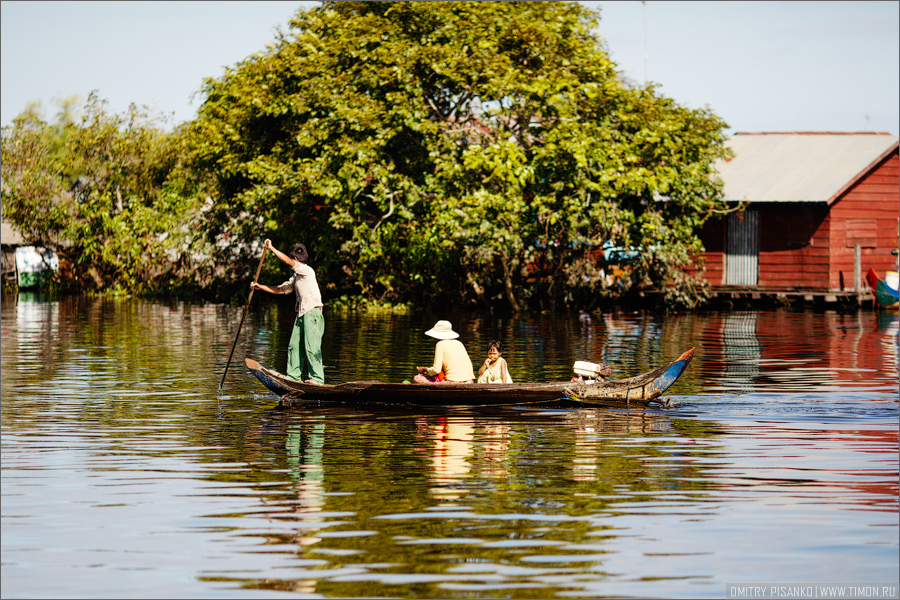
(305, 348)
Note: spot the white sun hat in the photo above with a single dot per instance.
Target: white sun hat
(442, 330)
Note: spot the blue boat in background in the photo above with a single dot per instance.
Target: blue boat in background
(885, 295)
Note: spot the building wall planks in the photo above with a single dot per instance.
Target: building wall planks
(873, 202)
(810, 245)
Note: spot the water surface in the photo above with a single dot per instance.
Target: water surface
(126, 474)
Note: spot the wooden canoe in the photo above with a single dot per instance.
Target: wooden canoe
(641, 389)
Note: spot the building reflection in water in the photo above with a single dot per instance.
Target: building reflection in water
(742, 351)
(887, 327)
(754, 351)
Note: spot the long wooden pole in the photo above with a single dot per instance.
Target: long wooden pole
(258, 269)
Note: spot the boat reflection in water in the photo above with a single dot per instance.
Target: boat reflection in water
(450, 452)
(463, 446)
(499, 481)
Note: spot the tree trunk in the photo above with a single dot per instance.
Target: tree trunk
(507, 284)
(479, 291)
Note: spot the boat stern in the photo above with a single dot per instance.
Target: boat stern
(273, 384)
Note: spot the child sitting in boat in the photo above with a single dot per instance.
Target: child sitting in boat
(494, 369)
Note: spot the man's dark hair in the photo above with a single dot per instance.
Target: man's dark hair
(298, 252)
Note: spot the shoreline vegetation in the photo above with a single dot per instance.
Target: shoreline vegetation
(438, 155)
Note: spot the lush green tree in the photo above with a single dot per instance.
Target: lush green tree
(106, 192)
(458, 150)
(34, 168)
(443, 151)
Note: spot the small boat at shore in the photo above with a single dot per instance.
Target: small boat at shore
(884, 294)
(641, 389)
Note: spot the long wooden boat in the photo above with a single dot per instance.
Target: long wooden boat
(642, 389)
(884, 295)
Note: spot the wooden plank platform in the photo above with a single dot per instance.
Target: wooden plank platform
(754, 295)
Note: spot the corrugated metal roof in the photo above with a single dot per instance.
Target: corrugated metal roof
(798, 167)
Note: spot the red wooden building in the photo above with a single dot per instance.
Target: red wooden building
(821, 209)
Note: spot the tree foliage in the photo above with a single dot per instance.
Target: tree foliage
(105, 192)
(483, 151)
(451, 153)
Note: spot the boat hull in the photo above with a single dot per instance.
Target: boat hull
(645, 388)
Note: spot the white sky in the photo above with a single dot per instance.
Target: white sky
(761, 66)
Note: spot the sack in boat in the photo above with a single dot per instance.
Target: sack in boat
(436, 378)
(590, 370)
(439, 378)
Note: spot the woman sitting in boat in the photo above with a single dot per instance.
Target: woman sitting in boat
(494, 369)
(451, 361)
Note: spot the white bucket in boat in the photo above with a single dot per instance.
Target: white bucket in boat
(892, 278)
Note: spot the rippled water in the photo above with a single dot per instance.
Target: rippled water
(126, 474)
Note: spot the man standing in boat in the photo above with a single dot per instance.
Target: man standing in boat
(304, 361)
